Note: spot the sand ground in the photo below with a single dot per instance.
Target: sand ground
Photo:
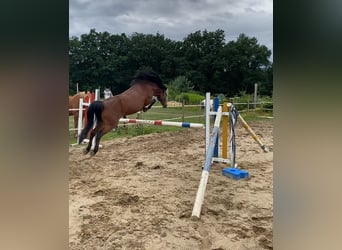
(138, 193)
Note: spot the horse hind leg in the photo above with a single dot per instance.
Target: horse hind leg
(93, 133)
(97, 143)
(87, 149)
(99, 135)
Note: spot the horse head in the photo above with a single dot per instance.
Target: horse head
(151, 77)
(162, 97)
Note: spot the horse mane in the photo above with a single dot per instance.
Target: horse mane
(149, 76)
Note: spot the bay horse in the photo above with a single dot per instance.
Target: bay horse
(74, 102)
(140, 96)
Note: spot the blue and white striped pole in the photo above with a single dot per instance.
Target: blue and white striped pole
(216, 148)
(164, 123)
(205, 173)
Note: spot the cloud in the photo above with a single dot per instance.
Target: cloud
(175, 18)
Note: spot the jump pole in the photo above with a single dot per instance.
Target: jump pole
(225, 132)
(80, 112)
(163, 123)
(207, 122)
(205, 173)
(251, 132)
(216, 104)
(97, 97)
(80, 116)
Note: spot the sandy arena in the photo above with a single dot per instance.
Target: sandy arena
(138, 193)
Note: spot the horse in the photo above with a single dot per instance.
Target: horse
(140, 96)
(74, 102)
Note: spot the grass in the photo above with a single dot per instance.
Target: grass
(155, 113)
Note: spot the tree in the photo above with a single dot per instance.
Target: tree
(180, 85)
(201, 50)
(246, 63)
(204, 59)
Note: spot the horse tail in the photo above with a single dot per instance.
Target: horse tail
(95, 108)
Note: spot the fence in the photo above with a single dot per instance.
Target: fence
(178, 112)
(253, 106)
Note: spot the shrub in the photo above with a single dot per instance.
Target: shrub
(179, 85)
(190, 98)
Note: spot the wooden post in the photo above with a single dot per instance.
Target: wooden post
(255, 95)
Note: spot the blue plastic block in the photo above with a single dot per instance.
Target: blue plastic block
(235, 173)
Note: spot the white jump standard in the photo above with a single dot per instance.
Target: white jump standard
(208, 160)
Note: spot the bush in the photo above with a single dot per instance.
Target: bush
(190, 98)
(178, 86)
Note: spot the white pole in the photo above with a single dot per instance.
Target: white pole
(97, 94)
(207, 122)
(163, 123)
(205, 173)
(80, 116)
(97, 97)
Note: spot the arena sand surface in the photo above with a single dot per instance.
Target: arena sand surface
(138, 193)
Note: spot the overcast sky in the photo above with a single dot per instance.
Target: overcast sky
(175, 19)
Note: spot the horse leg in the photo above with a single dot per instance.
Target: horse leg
(87, 149)
(105, 129)
(90, 143)
(149, 106)
(98, 136)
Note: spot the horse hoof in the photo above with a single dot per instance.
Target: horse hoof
(85, 151)
(92, 153)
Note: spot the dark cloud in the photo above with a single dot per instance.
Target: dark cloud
(175, 18)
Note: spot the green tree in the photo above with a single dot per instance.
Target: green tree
(201, 50)
(180, 85)
(204, 59)
(246, 63)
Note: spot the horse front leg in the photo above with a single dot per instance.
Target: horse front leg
(149, 106)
